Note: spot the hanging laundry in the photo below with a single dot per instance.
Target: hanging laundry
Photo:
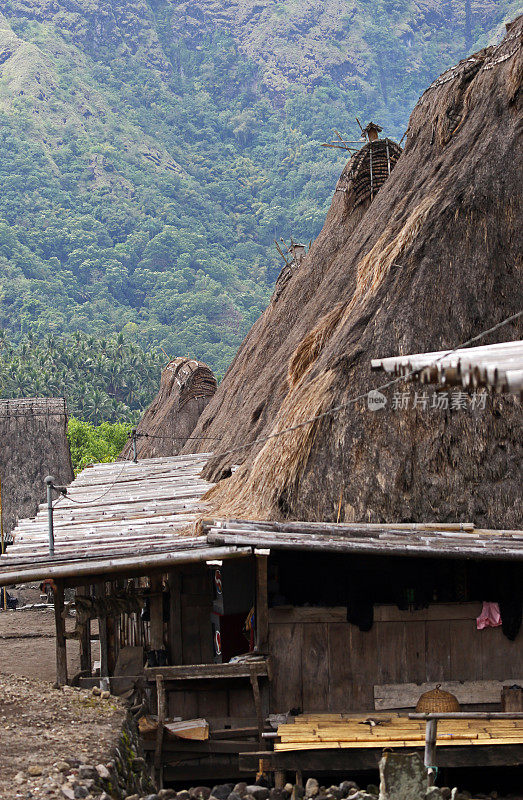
(490, 616)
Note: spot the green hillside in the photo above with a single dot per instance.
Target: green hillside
(152, 151)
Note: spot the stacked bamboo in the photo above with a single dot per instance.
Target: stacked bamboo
(327, 731)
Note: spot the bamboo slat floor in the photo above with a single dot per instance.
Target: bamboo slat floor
(327, 731)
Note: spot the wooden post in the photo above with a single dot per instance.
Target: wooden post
(85, 637)
(156, 607)
(258, 706)
(102, 631)
(279, 779)
(431, 732)
(175, 618)
(61, 651)
(160, 703)
(262, 604)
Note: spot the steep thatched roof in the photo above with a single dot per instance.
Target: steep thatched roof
(186, 387)
(33, 444)
(432, 261)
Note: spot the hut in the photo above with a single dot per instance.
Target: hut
(244, 641)
(33, 433)
(186, 387)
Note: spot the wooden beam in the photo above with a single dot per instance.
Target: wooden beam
(156, 608)
(340, 760)
(206, 671)
(85, 639)
(162, 713)
(262, 604)
(102, 631)
(61, 646)
(257, 705)
(175, 617)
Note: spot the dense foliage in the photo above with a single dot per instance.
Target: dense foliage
(145, 196)
(102, 379)
(92, 444)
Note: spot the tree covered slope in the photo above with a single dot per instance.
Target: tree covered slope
(152, 151)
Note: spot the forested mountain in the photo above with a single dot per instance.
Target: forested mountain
(153, 149)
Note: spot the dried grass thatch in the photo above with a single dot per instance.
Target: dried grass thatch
(186, 387)
(432, 261)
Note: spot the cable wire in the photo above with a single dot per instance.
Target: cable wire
(352, 400)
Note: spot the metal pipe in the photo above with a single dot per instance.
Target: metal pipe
(49, 481)
(139, 565)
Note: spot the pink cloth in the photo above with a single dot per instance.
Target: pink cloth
(489, 617)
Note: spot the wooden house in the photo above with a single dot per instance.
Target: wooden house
(229, 623)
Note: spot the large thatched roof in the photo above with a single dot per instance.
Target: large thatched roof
(186, 386)
(430, 262)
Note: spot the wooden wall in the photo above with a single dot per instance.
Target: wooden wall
(323, 663)
(190, 642)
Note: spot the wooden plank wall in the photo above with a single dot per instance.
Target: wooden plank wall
(190, 621)
(322, 663)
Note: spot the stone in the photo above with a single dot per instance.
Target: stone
(258, 792)
(96, 691)
(373, 789)
(103, 772)
(68, 792)
(241, 789)
(297, 792)
(200, 793)
(183, 795)
(335, 791)
(34, 770)
(166, 794)
(80, 791)
(234, 796)
(445, 792)
(277, 794)
(312, 788)
(62, 766)
(138, 764)
(434, 793)
(19, 777)
(133, 797)
(288, 788)
(346, 786)
(86, 772)
(151, 797)
(105, 695)
(222, 791)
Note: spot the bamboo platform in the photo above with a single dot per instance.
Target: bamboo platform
(345, 731)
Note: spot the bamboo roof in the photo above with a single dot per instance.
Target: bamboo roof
(433, 540)
(496, 366)
(119, 517)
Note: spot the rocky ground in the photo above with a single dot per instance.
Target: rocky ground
(50, 735)
(346, 790)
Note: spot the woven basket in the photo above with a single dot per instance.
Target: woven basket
(437, 701)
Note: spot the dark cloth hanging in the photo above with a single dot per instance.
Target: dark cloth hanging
(360, 612)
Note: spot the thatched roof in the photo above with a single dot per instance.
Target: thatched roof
(186, 387)
(432, 261)
(33, 436)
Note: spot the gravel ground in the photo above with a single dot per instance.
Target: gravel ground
(46, 732)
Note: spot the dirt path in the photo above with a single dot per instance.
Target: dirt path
(27, 644)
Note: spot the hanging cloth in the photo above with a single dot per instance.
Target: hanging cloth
(490, 616)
